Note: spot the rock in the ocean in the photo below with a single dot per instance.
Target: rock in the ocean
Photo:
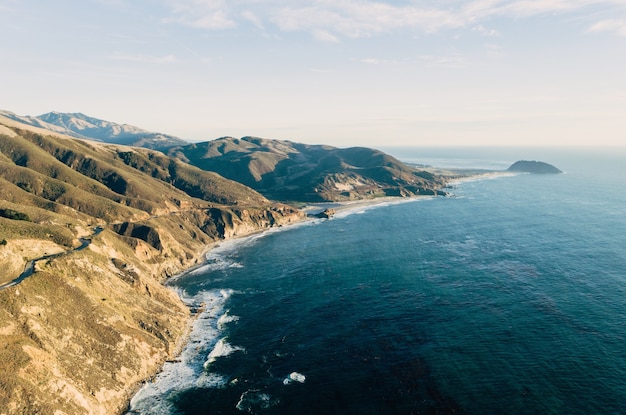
(535, 167)
(327, 213)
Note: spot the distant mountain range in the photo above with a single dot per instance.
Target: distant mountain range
(82, 126)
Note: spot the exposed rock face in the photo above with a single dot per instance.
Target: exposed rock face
(326, 213)
(80, 333)
(535, 167)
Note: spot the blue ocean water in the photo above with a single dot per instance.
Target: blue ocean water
(508, 297)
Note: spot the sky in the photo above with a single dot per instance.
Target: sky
(338, 72)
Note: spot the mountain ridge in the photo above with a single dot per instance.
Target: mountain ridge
(288, 171)
(82, 126)
(281, 170)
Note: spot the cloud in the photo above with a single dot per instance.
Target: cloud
(376, 61)
(334, 20)
(484, 31)
(253, 18)
(201, 14)
(358, 19)
(144, 58)
(325, 36)
(444, 61)
(372, 61)
(617, 26)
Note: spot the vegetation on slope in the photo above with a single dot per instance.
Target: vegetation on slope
(77, 335)
(287, 171)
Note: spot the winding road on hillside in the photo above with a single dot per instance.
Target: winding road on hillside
(29, 269)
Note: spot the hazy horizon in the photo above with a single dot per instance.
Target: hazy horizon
(343, 73)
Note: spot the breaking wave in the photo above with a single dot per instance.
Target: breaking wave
(186, 371)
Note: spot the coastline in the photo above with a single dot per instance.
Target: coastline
(311, 209)
(341, 208)
(481, 176)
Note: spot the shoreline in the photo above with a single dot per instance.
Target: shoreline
(203, 260)
(311, 209)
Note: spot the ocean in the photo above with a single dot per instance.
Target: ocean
(508, 297)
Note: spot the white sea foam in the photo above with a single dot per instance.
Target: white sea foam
(482, 177)
(253, 400)
(359, 208)
(187, 370)
(294, 377)
(221, 349)
(225, 319)
(216, 265)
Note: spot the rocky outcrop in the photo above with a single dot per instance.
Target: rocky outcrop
(325, 214)
(534, 167)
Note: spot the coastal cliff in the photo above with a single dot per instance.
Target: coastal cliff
(86, 328)
(102, 226)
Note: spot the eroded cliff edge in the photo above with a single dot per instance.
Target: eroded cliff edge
(78, 335)
(86, 328)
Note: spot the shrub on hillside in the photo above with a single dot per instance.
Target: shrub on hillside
(14, 214)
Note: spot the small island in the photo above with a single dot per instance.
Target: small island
(533, 167)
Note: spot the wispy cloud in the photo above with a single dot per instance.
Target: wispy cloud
(253, 18)
(485, 31)
(617, 26)
(334, 20)
(325, 36)
(358, 19)
(377, 61)
(144, 58)
(201, 14)
(444, 61)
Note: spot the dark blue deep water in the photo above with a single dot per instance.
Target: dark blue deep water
(507, 298)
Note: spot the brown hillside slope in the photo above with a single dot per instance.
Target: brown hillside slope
(288, 171)
(78, 334)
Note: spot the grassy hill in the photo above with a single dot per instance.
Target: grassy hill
(287, 171)
(77, 335)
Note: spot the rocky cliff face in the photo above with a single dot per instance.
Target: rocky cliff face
(78, 335)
